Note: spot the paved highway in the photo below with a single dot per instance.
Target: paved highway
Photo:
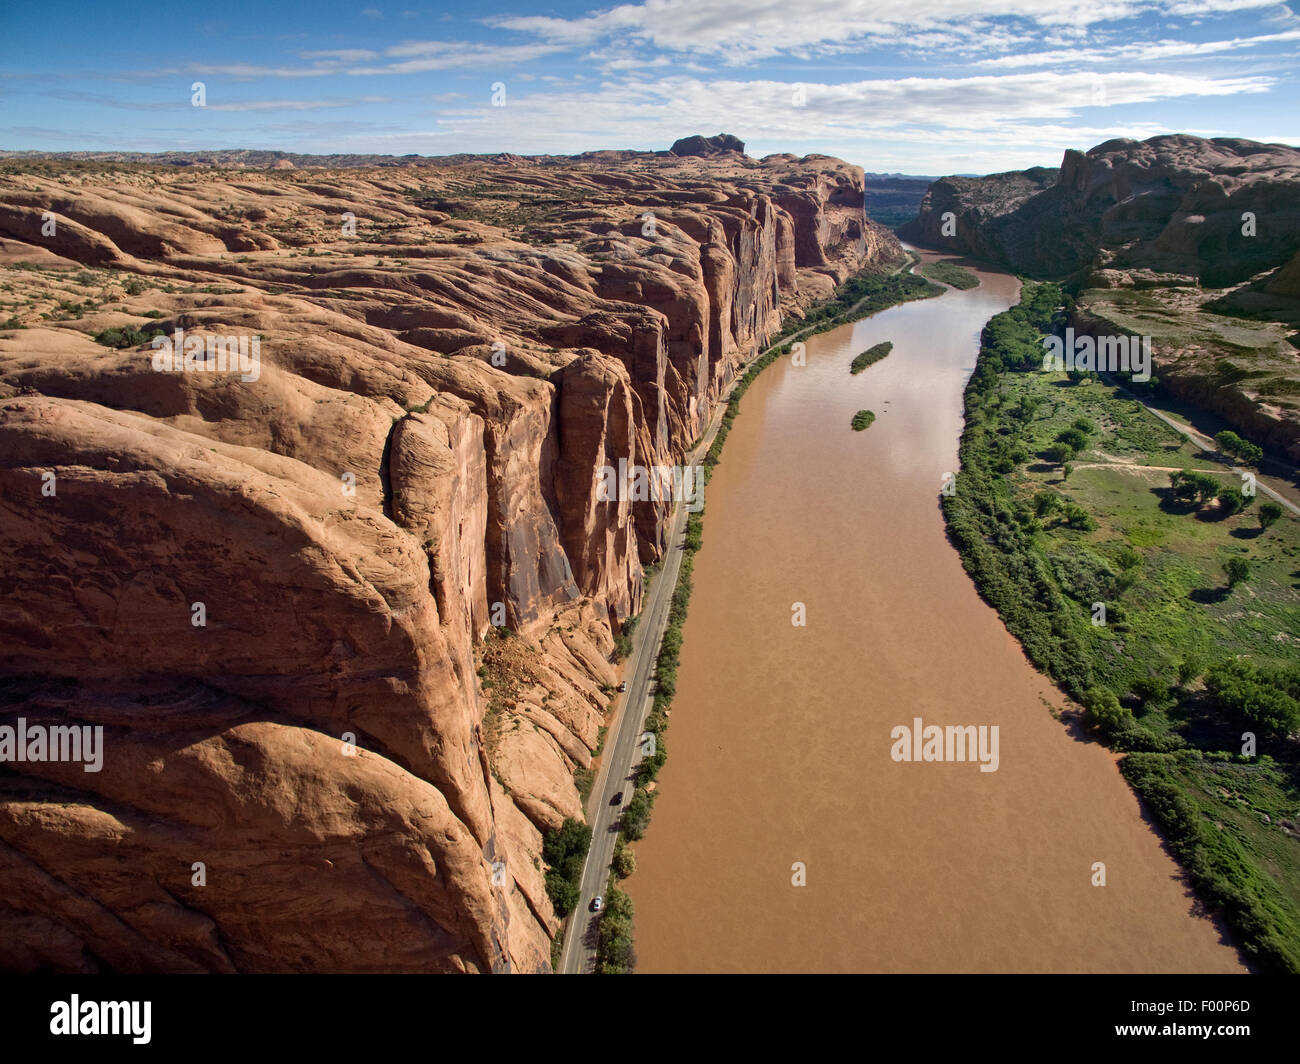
(623, 742)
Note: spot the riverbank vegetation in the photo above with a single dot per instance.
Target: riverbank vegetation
(950, 274)
(870, 356)
(1141, 574)
(863, 419)
(615, 948)
(859, 297)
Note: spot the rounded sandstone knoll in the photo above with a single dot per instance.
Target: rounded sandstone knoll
(699, 145)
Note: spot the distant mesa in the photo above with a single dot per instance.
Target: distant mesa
(698, 145)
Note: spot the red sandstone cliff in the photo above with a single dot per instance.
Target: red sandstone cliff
(434, 397)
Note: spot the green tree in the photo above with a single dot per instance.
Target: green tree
(624, 863)
(1269, 512)
(1191, 667)
(1255, 699)
(1077, 517)
(1059, 453)
(571, 837)
(1189, 484)
(564, 851)
(1231, 501)
(1237, 570)
(636, 815)
(1206, 486)
(1228, 441)
(615, 954)
(125, 336)
(1046, 502)
(564, 895)
(1075, 439)
(1103, 711)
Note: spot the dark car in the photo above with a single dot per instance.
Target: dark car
(623, 686)
(617, 799)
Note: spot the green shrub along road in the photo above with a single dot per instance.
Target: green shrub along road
(1141, 578)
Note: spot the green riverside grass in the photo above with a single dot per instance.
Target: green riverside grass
(1057, 508)
(614, 950)
(951, 274)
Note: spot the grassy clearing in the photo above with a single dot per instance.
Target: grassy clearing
(1116, 582)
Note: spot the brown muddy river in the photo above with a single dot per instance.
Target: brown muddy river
(780, 736)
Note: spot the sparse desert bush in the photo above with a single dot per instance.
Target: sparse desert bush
(125, 336)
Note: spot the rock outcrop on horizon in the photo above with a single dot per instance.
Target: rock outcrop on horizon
(346, 766)
(703, 146)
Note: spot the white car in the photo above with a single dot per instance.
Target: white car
(597, 903)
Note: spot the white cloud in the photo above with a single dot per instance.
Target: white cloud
(294, 105)
(425, 56)
(914, 123)
(747, 30)
(342, 55)
(1137, 52)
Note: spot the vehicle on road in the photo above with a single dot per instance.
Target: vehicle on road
(597, 903)
(617, 799)
(623, 686)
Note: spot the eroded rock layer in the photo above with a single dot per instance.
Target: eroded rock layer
(271, 586)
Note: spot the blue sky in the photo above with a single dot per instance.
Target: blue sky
(920, 86)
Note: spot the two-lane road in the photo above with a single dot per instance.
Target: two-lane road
(623, 743)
